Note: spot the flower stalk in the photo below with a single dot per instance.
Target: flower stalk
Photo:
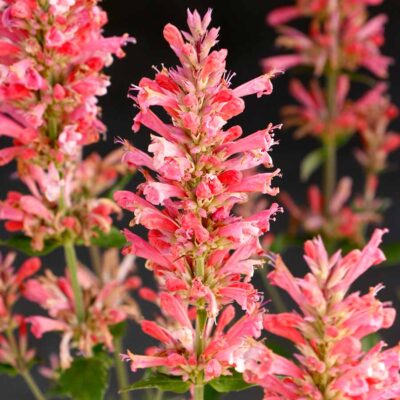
(329, 141)
(72, 265)
(22, 368)
(120, 369)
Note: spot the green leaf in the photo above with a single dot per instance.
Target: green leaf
(114, 238)
(279, 243)
(370, 341)
(229, 383)
(310, 163)
(8, 369)
(23, 243)
(118, 330)
(392, 253)
(163, 382)
(86, 379)
(361, 78)
(211, 394)
(278, 349)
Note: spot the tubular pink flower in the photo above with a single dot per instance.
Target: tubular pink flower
(41, 325)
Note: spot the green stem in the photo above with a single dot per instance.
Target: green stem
(201, 321)
(95, 257)
(199, 392)
(120, 369)
(329, 142)
(158, 394)
(32, 385)
(21, 367)
(72, 264)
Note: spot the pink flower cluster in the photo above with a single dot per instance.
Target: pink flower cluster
(106, 300)
(340, 39)
(202, 255)
(52, 54)
(224, 346)
(339, 36)
(327, 332)
(14, 351)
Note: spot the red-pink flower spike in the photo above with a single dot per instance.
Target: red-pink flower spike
(11, 283)
(52, 54)
(327, 332)
(340, 38)
(107, 302)
(339, 33)
(201, 254)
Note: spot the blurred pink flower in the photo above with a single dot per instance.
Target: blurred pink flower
(107, 302)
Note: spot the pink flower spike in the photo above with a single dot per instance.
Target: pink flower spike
(203, 254)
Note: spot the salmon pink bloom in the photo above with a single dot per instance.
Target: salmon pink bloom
(203, 255)
(108, 302)
(346, 220)
(339, 33)
(176, 355)
(193, 173)
(14, 353)
(51, 75)
(328, 330)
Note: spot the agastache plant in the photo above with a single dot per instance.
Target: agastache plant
(52, 53)
(342, 44)
(327, 331)
(202, 255)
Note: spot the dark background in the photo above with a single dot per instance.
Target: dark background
(248, 39)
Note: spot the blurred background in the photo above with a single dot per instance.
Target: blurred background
(248, 39)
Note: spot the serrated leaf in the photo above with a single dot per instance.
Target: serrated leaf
(114, 238)
(368, 342)
(86, 379)
(392, 253)
(163, 382)
(23, 244)
(310, 163)
(229, 383)
(8, 369)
